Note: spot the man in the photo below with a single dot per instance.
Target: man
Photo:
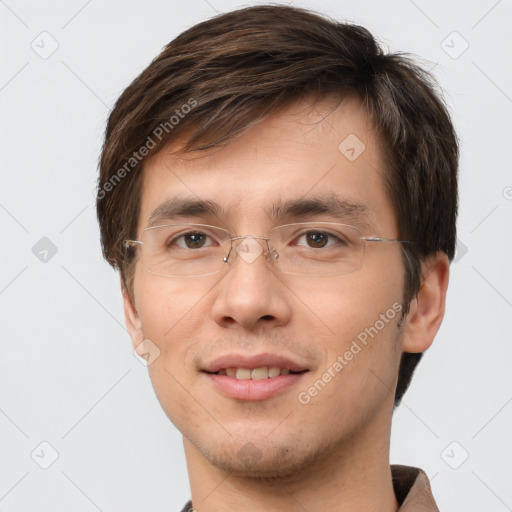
(280, 198)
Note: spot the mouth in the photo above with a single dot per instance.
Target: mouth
(260, 373)
(257, 377)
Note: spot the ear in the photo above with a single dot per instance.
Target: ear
(131, 318)
(427, 308)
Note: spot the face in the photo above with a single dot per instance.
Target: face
(340, 332)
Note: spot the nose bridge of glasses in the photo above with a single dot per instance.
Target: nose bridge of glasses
(249, 248)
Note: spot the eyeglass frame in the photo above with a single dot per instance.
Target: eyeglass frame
(129, 244)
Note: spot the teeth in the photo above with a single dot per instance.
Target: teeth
(254, 374)
(259, 373)
(274, 371)
(243, 374)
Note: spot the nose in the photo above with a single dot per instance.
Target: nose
(251, 294)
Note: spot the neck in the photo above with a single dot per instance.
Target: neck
(354, 475)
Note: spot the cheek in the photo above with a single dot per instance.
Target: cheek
(169, 309)
(170, 314)
(342, 307)
(356, 316)
(359, 371)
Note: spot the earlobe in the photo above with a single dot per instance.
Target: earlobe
(131, 318)
(427, 308)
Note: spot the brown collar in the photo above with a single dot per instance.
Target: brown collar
(411, 486)
(412, 489)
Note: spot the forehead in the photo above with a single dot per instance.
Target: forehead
(309, 150)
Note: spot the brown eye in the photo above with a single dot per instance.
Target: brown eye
(190, 240)
(194, 240)
(317, 240)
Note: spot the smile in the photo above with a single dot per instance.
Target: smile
(255, 373)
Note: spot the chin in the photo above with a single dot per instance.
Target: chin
(248, 459)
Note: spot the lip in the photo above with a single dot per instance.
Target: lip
(253, 389)
(248, 389)
(253, 361)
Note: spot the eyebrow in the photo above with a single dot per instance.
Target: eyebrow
(183, 207)
(332, 205)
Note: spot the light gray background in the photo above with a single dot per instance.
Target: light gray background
(68, 375)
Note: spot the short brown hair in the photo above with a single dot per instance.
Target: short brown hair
(240, 67)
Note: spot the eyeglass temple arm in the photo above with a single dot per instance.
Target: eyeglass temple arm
(130, 243)
(381, 239)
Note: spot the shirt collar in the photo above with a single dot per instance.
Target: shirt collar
(412, 489)
(411, 486)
